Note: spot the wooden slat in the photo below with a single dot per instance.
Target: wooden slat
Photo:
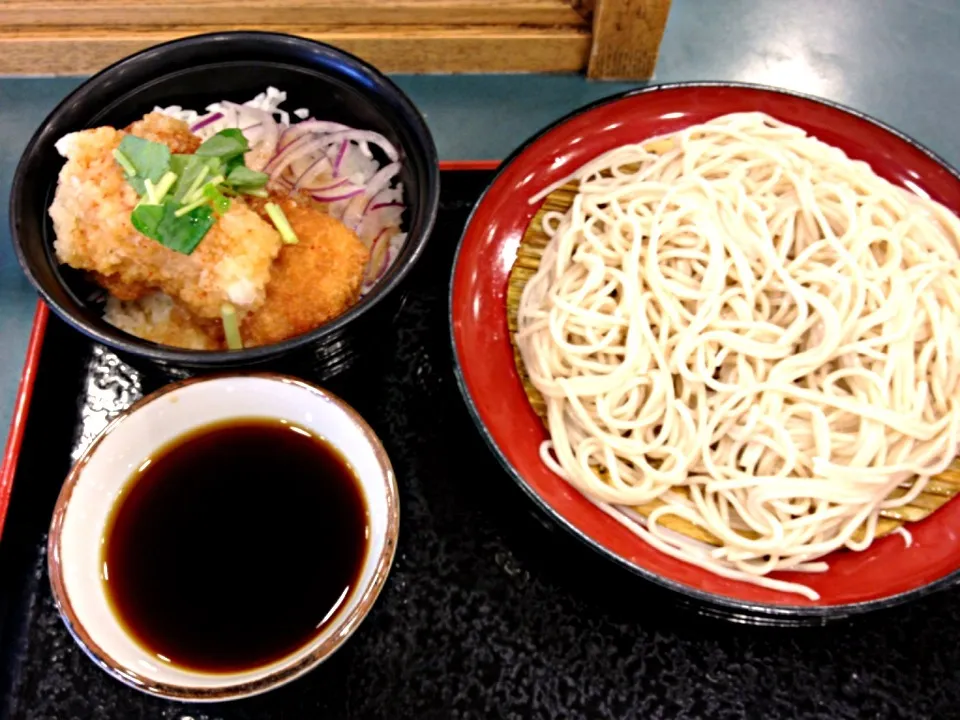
(72, 51)
(584, 8)
(626, 38)
(294, 13)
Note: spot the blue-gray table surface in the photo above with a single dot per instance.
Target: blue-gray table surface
(898, 60)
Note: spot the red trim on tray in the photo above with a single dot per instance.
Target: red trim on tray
(21, 408)
(28, 375)
(469, 165)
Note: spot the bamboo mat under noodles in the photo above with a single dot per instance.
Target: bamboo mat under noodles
(938, 491)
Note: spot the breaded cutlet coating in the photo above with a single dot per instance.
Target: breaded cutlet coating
(173, 133)
(313, 281)
(160, 319)
(91, 217)
(119, 289)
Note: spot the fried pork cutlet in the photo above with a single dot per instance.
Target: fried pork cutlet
(311, 282)
(91, 217)
(175, 134)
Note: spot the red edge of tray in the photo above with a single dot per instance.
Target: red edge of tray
(28, 376)
(21, 408)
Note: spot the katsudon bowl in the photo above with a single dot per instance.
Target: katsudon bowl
(193, 73)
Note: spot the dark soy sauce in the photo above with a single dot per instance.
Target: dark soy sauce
(235, 545)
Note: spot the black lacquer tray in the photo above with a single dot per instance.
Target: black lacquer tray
(488, 612)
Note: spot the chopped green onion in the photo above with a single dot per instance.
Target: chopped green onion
(231, 328)
(192, 206)
(163, 187)
(197, 182)
(281, 223)
(198, 193)
(220, 202)
(124, 162)
(257, 192)
(151, 192)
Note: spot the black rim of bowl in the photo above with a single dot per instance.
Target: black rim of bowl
(711, 604)
(201, 358)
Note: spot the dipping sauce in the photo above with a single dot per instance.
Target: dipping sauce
(235, 545)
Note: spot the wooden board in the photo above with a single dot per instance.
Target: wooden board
(288, 13)
(619, 38)
(414, 49)
(626, 38)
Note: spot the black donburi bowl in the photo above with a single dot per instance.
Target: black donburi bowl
(194, 72)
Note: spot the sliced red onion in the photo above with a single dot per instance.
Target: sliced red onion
(340, 153)
(375, 249)
(203, 122)
(381, 205)
(377, 239)
(382, 179)
(385, 195)
(354, 212)
(361, 136)
(268, 145)
(388, 258)
(254, 134)
(283, 152)
(297, 149)
(287, 137)
(320, 197)
(374, 221)
(314, 169)
(342, 184)
(299, 166)
(319, 127)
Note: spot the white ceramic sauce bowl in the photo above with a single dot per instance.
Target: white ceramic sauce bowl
(99, 476)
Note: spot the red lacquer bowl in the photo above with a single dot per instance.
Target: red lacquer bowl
(885, 574)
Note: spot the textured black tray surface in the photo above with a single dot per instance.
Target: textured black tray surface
(487, 613)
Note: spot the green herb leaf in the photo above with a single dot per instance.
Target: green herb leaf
(234, 162)
(225, 145)
(146, 218)
(150, 160)
(242, 178)
(182, 234)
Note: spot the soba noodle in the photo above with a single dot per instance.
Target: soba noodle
(750, 327)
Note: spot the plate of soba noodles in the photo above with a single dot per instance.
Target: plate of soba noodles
(712, 330)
